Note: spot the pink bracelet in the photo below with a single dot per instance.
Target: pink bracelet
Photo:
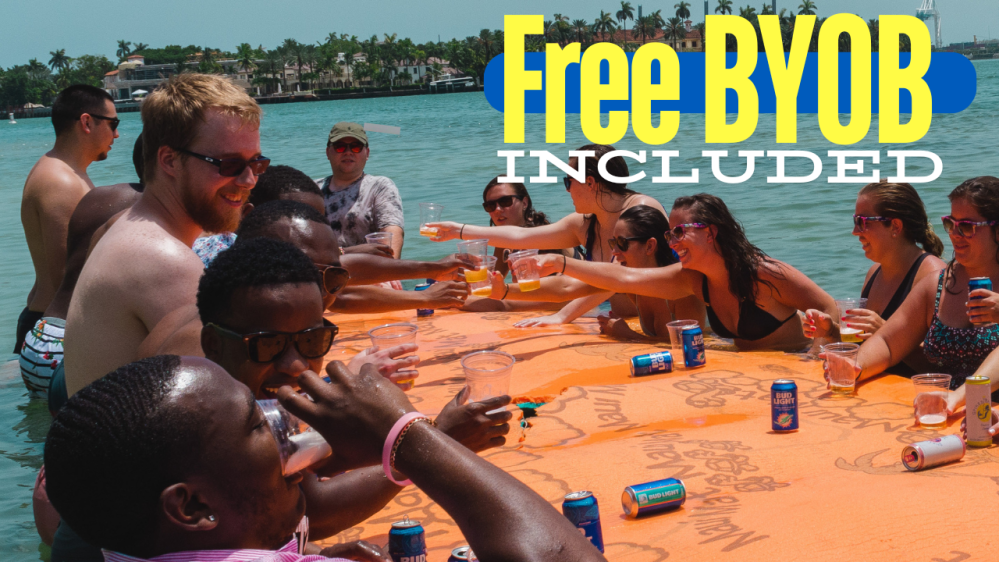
(401, 424)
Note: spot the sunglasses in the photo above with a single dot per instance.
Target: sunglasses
(860, 221)
(622, 243)
(678, 232)
(568, 182)
(233, 167)
(964, 229)
(335, 277)
(112, 121)
(265, 347)
(502, 202)
(342, 147)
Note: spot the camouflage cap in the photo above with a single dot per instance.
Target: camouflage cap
(346, 129)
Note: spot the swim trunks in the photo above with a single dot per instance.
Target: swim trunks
(25, 322)
(58, 395)
(41, 353)
(208, 247)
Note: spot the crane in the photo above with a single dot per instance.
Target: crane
(927, 10)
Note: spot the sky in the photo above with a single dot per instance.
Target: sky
(33, 29)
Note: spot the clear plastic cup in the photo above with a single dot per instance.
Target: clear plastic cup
(931, 399)
(299, 445)
(841, 360)
(379, 238)
(474, 248)
(525, 270)
(429, 212)
(487, 374)
(676, 328)
(846, 334)
(391, 335)
(478, 279)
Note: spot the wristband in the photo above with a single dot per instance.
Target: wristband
(461, 232)
(506, 292)
(391, 444)
(565, 261)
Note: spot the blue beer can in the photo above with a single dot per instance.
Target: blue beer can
(581, 509)
(651, 364)
(693, 347)
(784, 405)
(652, 497)
(424, 311)
(407, 542)
(979, 283)
(462, 554)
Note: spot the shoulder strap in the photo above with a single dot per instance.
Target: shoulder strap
(704, 289)
(936, 306)
(870, 283)
(591, 236)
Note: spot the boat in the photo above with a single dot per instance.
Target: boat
(10, 114)
(453, 84)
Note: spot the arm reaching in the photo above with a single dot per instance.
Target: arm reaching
(562, 234)
(367, 269)
(366, 299)
(568, 314)
(671, 282)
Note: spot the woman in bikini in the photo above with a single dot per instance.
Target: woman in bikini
(890, 222)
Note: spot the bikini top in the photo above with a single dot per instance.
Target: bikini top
(957, 351)
(754, 322)
(900, 293)
(591, 237)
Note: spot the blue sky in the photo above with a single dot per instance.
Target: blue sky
(32, 29)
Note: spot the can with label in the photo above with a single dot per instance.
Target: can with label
(462, 554)
(653, 497)
(978, 410)
(693, 347)
(926, 454)
(407, 542)
(581, 509)
(979, 283)
(784, 405)
(420, 312)
(651, 364)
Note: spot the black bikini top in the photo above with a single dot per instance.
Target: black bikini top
(754, 322)
(900, 293)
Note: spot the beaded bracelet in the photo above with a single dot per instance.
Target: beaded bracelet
(392, 442)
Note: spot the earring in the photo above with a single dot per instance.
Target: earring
(211, 518)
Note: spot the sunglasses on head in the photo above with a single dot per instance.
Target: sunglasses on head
(233, 167)
(112, 121)
(622, 243)
(335, 277)
(342, 147)
(502, 202)
(964, 229)
(860, 221)
(679, 231)
(265, 347)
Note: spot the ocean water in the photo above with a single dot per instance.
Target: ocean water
(446, 154)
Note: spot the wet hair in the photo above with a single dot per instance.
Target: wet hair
(648, 222)
(280, 180)
(256, 262)
(901, 201)
(531, 216)
(616, 166)
(112, 450)
(742, 259)
(73, 102)
(256, 222)
(983, 194)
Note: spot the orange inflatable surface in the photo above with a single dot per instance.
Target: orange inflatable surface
(834, 490)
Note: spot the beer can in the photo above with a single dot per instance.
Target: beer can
(979, 283)
(581, 509)
(978, 410)
(653, 497)
(420, 312)
(462, 554)
(784, 405)
(407, 542)
(926, 454)
(693, 347)
(651, 364)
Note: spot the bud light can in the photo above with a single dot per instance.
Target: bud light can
(926, 454)
(406, 541)
(581, 509)
(421, 312)
(693, 347)
(653, 497)
(979, 283)
(651, 364)
(784, 405)
(978, 410)
(462, 554)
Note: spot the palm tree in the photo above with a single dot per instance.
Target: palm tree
(604, 25)
(724, 7)
(59, 60)
(875, 27)
(245, 55)
(124, 49)
(748, 12)
(139, 47)
(278, 60)
(624, 14)
(485, 41)
(807, 8)
(582, 30)
(682, 10)
(296, 52)
(674, 30)
(645, 27)
(657, 20)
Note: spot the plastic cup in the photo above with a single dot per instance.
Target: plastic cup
(487, 374)
(525, 270)
(391, 335)
(478, 279)
(429, 212)
(379, 238)
(299, 445)
(841, 358)
(931, 399)
(849, 334)
(676, 328)
(474, 248)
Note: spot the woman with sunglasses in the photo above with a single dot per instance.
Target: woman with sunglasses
(750, 297)
(890, 222)
(956, 329)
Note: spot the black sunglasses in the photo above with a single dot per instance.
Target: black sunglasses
(568, 182)
(622, 243)
(265, 347)
(233, 167)
(502, 202)
(335, 277)
(112, 121)
(342, 147)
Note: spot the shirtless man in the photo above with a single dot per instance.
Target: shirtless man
(86, 124)
(201, 154)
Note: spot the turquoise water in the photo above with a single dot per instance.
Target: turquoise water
(446, 154)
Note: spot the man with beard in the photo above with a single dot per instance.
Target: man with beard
(201, 154)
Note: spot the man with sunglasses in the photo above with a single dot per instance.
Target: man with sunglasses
(358, 203)
(85, 123)
(201, 155)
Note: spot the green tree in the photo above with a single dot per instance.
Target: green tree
(605, 26)
(140, 47)
(624, 14)
(674, 30)
(124, 49)
(682, 10)
(645, 27)
(724, 7)
(807, 8)
(582, 30)
(245, 57)
(748, 12)
(295, 51)
(88, 69)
